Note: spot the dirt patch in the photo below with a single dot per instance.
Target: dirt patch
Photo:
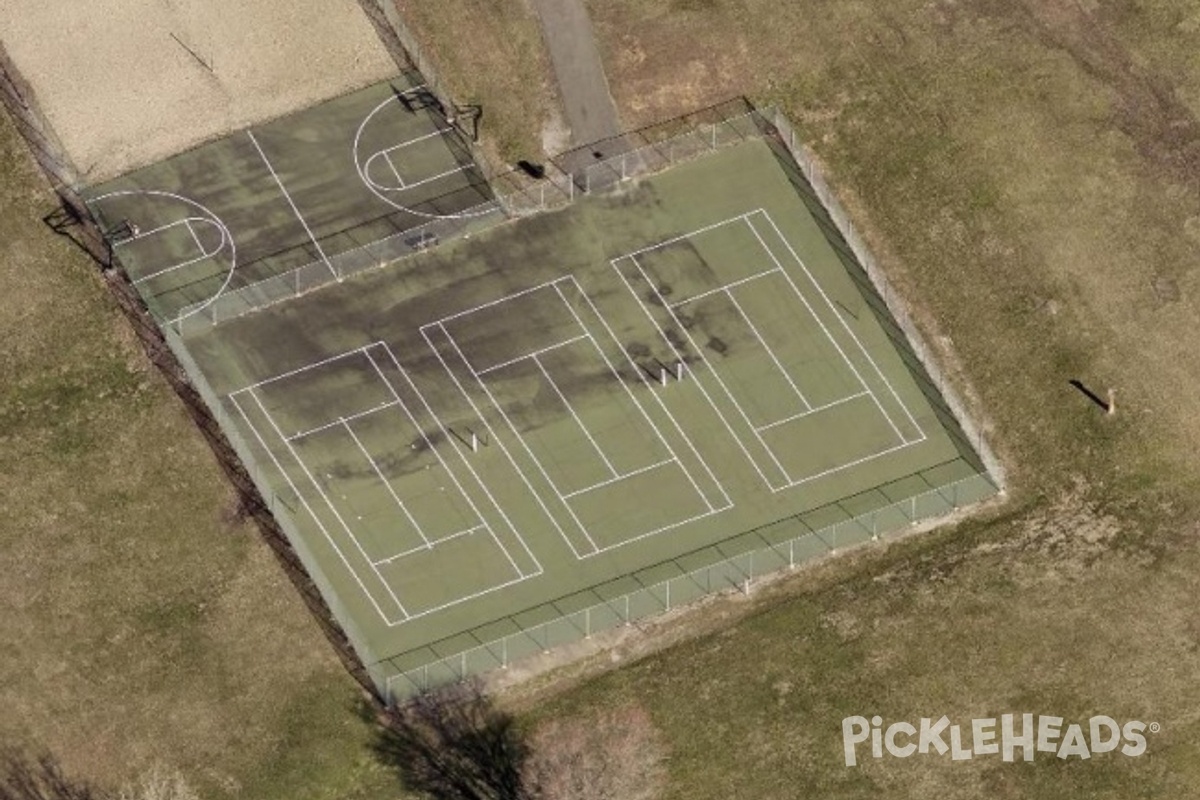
(129, 82)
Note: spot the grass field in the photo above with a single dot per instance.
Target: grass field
(145, 624)
(1022, 170)
(509, 75)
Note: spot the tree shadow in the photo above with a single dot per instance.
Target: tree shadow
(23, 777)
(453, 744)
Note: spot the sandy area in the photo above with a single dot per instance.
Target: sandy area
(121, 92)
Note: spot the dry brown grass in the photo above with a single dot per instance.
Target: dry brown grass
(139, 627)
(491, 52)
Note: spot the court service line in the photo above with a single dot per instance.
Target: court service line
(340, 420)
(699, 385)
(337, 514)
(567, 404)
(304, 502)
(787, 376)
(829, 303)
(292, 203)
(466, 461)
(531, 354)
(814, 410)
(617, 478)
(712, 371)
(662, 407)
(432, 543)
(726, 287)
(379, 474)
(617, 377)
(441, 461)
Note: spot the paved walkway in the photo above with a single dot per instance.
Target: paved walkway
(591, 113)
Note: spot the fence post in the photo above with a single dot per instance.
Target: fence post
(791, 553)
(668, 594)
(504, 653)
(587, 622)
(628, 621)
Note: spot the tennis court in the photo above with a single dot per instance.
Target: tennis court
(539, 429)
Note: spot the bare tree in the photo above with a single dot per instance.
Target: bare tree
(454, 744)
(24, 777)
(615, 755)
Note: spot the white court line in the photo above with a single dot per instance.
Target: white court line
(438, 456)
(496, 302)
(292, 203)
(171, 268)
(339, 421)
(337, 515)
(195, 238)
(504, 415)
(637, 404)
(304, 502)
(425, 548)
(711, 369)
(795, 289)
(697, 383)
(617, 377)
(227, 238)
(553, 383)
(726, 287)
(462, 456)
(431, 178)
(663, 407)
(811, 411)
(361, 168)
(392, 165)
(603, 483)
(298, 370)
(683, 236)
(379, 474)
(845, 326)
(491, 432)
(770, 352)
(533, 354)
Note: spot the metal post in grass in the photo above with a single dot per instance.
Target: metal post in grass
(668, 594)
(913, 515)
(504, 653)
(628, 621)
(463, 665)
(587, 622)
(791, 553)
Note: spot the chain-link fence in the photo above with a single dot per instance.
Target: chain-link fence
(760, 553)
(705, 137)
(813, 187)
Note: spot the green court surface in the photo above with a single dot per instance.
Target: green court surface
(515, 438)
(308, 189)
